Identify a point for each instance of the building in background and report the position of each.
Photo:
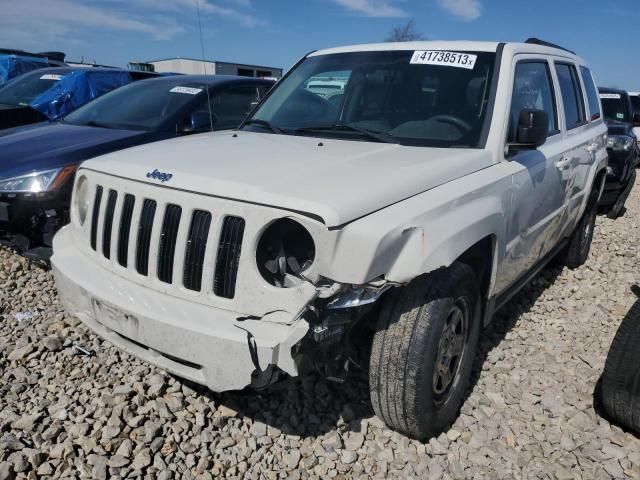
(210, 67)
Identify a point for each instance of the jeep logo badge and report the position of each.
(163, 177)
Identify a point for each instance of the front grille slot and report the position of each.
(167, 247)
(228, 258)
(108, 223)
(196, 246)
(125, 229)
(145, 227)
(95, 216)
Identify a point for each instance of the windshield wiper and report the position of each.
(378, 136)
(93, 123)
(262, 123)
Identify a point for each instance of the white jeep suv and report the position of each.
(397, 215)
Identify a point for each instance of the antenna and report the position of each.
(204, 65)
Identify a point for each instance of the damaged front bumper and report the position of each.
(213, 347)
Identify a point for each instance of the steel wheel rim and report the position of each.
(452, 348)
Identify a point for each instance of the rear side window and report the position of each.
(592, 94)
(571, 95)
(532, 89)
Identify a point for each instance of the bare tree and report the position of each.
(405, 33)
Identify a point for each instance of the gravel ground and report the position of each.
(530, 413)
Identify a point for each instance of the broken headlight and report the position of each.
(285, 250)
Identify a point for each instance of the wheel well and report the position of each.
(599, 179)
(480, 258)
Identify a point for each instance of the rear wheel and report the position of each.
(580, 241)
(617, 208)
(423, 351)
(619, 390)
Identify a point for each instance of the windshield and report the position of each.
(426, 98)
(144, 105)
(614, 107)
(24, 89)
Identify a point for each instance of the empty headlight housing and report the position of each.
(81, 199)
(285, 250)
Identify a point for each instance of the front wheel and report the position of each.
(423, 351)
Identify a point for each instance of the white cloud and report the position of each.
(372, 8)
(37, 24)
(467, 10)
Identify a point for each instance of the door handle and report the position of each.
(564, 163)
(592, 148)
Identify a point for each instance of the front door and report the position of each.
(540, 178)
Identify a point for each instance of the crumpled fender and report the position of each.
(422, 233)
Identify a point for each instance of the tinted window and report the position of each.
(230, 106)
(385, 96)
(592, 93)
(635, 103)
(532, 90)
(571, 95)
(614, 106)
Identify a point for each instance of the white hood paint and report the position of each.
(338, 181)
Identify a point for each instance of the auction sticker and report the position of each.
(441, 57)
(187, 90)
(611, 95)
(51, 76)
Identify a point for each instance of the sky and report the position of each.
(278, 32)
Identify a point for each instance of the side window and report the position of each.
(532, 89)
(571, 95)
(592, 94)
(231, 105)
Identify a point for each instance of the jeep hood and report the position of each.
(336, 180)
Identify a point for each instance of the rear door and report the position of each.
(580, 140)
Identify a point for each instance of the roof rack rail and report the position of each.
(537, 41)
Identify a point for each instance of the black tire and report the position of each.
(577, 250)
(405, 391)
(618, 207)
(620, 384)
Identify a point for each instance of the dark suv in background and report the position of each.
(622, 148)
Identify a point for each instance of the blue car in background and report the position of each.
(50, 93)
(16, 62)
(38, 162)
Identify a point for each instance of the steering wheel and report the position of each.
(455, 121)
(319, 101)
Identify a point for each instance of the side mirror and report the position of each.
(533, 126)
(196, 122)
(636, 119)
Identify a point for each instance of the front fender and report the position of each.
(422, 233)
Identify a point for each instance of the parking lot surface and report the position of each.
(530, 414)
